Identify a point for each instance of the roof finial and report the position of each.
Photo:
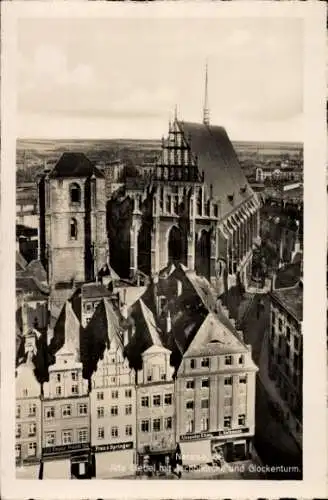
(206, 112)
(176, 113)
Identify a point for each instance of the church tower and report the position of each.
(72, 204)
(206, 111)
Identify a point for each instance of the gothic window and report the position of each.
(73, 229)
(199, 202)
(75, 193)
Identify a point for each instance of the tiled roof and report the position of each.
(98, 334)
(74, 165)
(67, 330)
(31, 286)
(21, 263)
(213, 337)
(291, 299)
(289, 275)
(150, 324)
(217, 158)
(94, 290)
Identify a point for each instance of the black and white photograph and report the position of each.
(159, 248)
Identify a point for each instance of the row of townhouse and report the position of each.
(138, 403)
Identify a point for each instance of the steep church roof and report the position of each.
(74, 165)
(67, 331)
(218, 159)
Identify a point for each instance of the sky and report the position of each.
(123, 77)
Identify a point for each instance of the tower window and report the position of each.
(75, 193)
(73, 229)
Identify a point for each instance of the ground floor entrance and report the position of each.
(154, 463)
(74, 465)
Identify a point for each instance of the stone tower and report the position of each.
(72, 204)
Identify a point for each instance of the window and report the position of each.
(168, 423)
(75, 193)
(114, 432)
(145, 401)
(157, 400)
(163, 376)
(74, 376)
(66, 411)
(75, 389)
(100, 411)
(128, 393)
(189, 405)
(58, 377)
(83, 409)
(227, 422)
(114, 394)
(25, 392)
(280, 324)
(58, 390)
(31, 451)
(32, 410)
(204, 424)
(114, 411)
(128, 410)
(67, 437)
(228, 381)
(241, 359)
(149, 375)
(49, 412)
(288, 333)
(190, 384)
(50, 438)
(205, 382)
(156, 424)
(100, 396)
(18, 450)
(228, 401)
(18, 431)
(18, 411)
(73, 229)
(189, 426)
(82, 435)
(243, 379)
(128, 430)
(228, 360)
(241, 419)
(168, 399)
(192, 363)
(273, 317)
(32, 429)
(205, 363)
(204, 403)
(101, 433)
(145, 426)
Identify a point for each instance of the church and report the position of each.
(193, 206)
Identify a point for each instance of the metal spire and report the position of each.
(206, 112)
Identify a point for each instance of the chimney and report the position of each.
(126, 337)
(179, 288)
(24, 317)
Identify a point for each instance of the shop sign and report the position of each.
(114, 447)
(54, 450)
(208, 435)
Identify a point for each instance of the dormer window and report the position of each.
(75, 194)
(243, 189)
(230, 198)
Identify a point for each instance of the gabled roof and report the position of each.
(94, 290)
(218, 159)
(291, 299)
(31, 286)
(150, 324)
(74, 165)
(36, 270)
(213, 337)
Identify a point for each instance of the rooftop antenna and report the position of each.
(206, 112)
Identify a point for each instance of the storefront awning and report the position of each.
(196, 452)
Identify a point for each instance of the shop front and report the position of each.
(203, 448)
(67, 462)
(114, 460)
(155, 460)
